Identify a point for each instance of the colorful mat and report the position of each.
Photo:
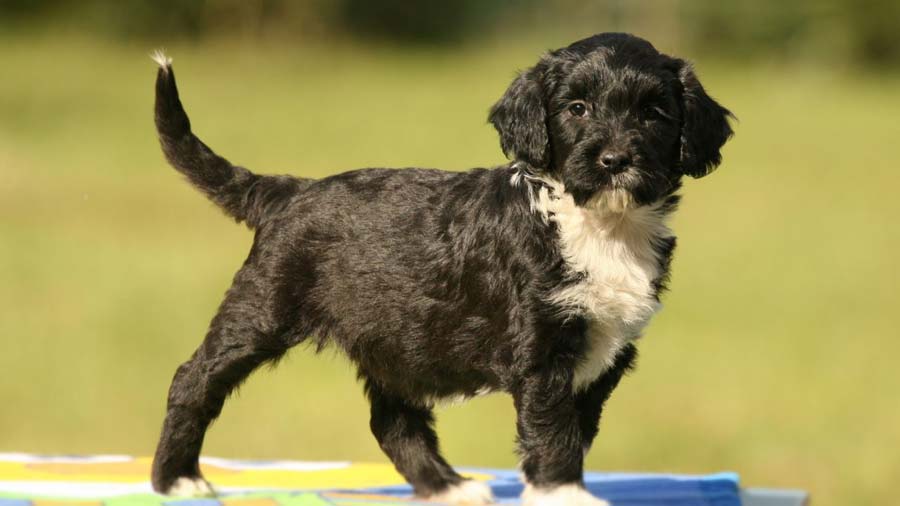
(112, 480)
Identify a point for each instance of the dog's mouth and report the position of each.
(615, 193)
(627, 178)
(624, 190)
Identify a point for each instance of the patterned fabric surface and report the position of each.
(113, 480)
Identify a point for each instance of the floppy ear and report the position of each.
(705, 126)
(520, 118)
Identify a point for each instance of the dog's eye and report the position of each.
(578, 109)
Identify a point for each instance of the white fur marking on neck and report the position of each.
(520, 177)
(612, 244)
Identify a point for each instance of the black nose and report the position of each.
(614, 160)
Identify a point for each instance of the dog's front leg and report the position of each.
(551, 442)
(590, 401)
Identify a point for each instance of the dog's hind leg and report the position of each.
(240, 338)
(406, 434)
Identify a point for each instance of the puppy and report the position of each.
(533, 278)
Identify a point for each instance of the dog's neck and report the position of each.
(617, 207)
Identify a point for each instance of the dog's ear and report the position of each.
(705, 126)
(520, 117)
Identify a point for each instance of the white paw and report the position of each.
(563, 495)
(191, 487)
(468, 493)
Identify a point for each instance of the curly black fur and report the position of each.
(441, 284)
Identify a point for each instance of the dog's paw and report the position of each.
(191, 487)
(564, 495)
(467, 493)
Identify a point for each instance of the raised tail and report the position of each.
(243, 195)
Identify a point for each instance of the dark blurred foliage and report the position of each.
(859, 31)
(191, 19)
(863, 32)
(422, 21)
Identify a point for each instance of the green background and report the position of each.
(775, 354)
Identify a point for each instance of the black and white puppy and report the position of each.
(532, 278)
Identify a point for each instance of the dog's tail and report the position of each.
(243, 195)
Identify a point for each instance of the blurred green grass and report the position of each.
(775, 355)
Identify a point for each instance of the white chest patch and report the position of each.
(613, 246)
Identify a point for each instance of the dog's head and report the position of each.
(611, 113)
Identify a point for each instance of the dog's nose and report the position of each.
(614, 160)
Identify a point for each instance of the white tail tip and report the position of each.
(161, 59)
